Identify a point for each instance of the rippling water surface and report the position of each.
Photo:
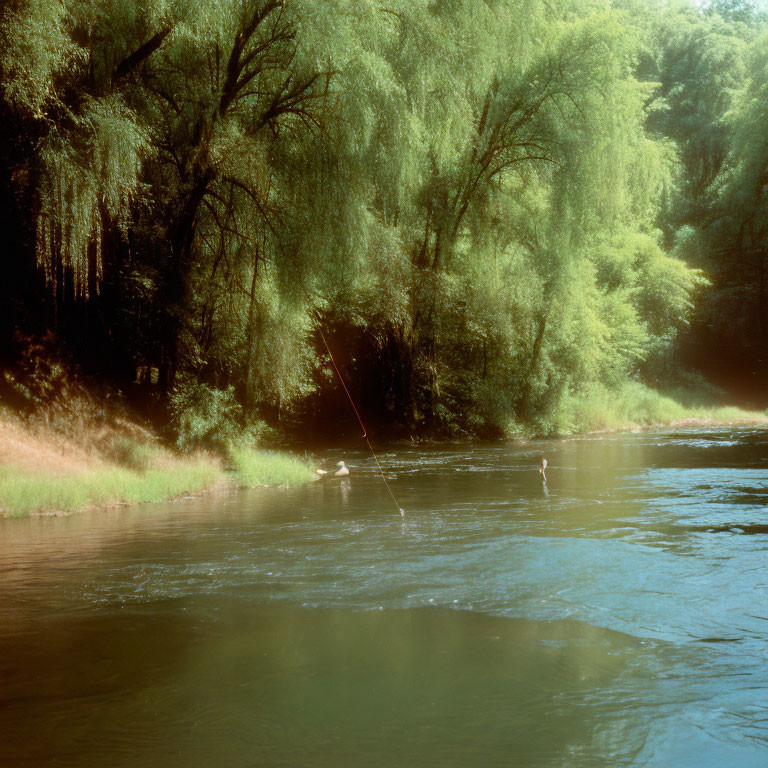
(616, 616)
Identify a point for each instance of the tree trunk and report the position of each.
(177, 279)
(249, 341)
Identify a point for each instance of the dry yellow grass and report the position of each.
(43, 470)
(38, 450)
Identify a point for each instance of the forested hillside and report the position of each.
(490, 208)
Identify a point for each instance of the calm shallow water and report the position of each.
(618, 616)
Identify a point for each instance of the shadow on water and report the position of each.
(208, 682)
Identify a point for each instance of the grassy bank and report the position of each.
(635, 405)
(23, 492)
(254, 468)
(45, 470)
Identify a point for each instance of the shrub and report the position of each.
(204, 416)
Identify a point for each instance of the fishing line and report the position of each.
(362, 426)
(336, 367)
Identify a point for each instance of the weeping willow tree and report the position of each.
(89, 155)
(510, 193)
(89, 176)
(461, 196)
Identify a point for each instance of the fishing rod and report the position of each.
(362, 426)
(330, 354)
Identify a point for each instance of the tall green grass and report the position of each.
(142, 478)
(258, 467)
(23, 493)
(636, 405)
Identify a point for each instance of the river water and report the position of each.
(616, 616)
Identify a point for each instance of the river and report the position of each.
(616, 616)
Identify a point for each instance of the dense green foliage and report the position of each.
(487, 207)
(711, 105)
(633, 405)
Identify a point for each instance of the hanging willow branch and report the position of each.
(89, 176)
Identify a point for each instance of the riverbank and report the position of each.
(58, 467)
(43, 471)
(636, 406)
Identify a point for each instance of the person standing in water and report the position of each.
(342, 470)
(543, 469)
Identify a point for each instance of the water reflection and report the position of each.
(209, 681)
